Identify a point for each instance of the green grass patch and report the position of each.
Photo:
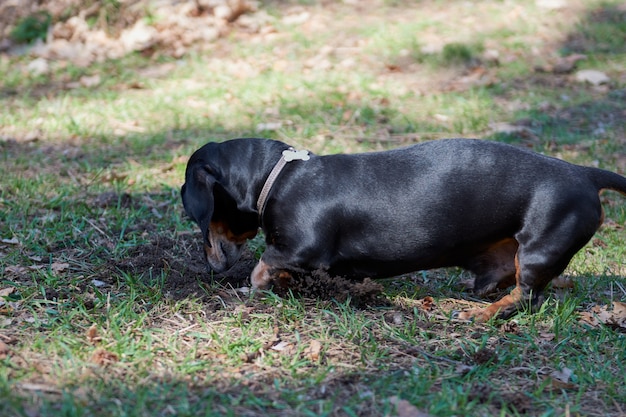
(105, 305)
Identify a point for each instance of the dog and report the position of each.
(510, 216)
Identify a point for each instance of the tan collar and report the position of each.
(288, 155)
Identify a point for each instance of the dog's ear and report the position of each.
(198, 199)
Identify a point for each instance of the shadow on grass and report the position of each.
(598, 117)
(602, 31)
(591, 120)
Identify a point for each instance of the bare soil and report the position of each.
(186, 275)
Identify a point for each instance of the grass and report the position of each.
(103, 311)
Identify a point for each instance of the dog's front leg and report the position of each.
(263, 275)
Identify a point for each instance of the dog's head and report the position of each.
(224, 228)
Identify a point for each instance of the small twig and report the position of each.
(92, 224)
(621, 287)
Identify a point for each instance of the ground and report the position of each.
(106, 307)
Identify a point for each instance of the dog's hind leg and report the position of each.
(494, 267)
(544, 252)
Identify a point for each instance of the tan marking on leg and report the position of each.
(484, 314)
(260, 277)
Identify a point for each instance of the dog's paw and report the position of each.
(260, 278)
(476, 315)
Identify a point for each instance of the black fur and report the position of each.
(509, 215)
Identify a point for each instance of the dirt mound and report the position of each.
(319, 284)
(180, 262)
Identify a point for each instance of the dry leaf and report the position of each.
(282, 346)
(313, 351)
(614, 318)
(92, 334)
(463, 369)
(90, 81)
(556, 384)
(12, 241)
(563, 375)
(15, 270)
(4, 350)
(103, 357)
(27, 386)
(510, 327)
(406, 409)
(561, 379)
(244, 290)
(427, 303)
(562, 282)
(59, 266)
(98, 284)
(5, 292)
(269, 126)
(619, 309)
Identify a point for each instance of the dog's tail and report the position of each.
(607, 180)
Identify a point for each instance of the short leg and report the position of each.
(260, 278)
(543, 254)
(263, 275)
(523, 295)
(494, 267)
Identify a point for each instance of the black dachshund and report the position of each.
(510, 216)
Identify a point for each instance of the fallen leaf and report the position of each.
(269, 126)
(619, 309)
(463, 369)
(15, 270)
(38, 66)
(27, 386)
(562, 282)
(563, 375)
(406, 409)
(59, 266)
(92, 334)
(593, 77)
(313, 351)
(561, 379)
(614, 318)
(510, 327)
(427, 303)
(557, 384)
(484, 356)
(281, 346)
(12, 241)
(97, 283)
(5, 292)
(4, 350)
(90, 80)
(103, 357)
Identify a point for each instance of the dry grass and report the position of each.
(106, 308)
